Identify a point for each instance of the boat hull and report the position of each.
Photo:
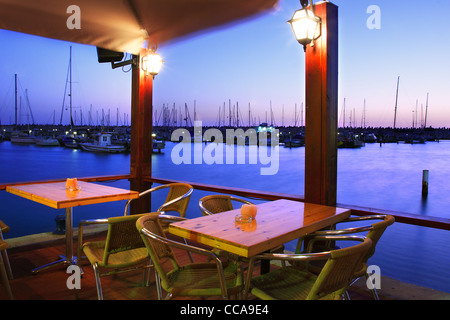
(102, 149)
(23, 140)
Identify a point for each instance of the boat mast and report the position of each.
(426, 113)
(15, 97)
(70, 87)
(396, 101)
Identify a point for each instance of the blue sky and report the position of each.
(255, 64)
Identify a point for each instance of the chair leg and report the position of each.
(147, 269)
(189, 254)
(371, 287)
(97, 282)
(7, 264)
(158, 285)
(5, 278)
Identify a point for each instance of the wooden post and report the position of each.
(425, 175)
(141, 136)
(322, 110)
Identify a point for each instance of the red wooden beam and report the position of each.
(322, 110)
(141, 135)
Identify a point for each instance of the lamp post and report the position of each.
(318, 25)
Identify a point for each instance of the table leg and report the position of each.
(68, 259)
(69, 236)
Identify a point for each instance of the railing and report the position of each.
(402, 217)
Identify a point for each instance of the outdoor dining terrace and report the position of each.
(319, 203)
(28, 252)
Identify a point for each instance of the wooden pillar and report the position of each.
(141, 136)
(322, 110)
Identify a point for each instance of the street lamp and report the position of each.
(151, 63)
(305, 24)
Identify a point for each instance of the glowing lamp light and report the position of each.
(306, 25)
(152, 63)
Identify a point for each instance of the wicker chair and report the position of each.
(214, 278)
(122, 250)
(293, 283)
(4, 263)
(373, 232)
(177, 199)
(3, 229)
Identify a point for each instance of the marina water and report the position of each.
(387, 176)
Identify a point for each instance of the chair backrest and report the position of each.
(217, 203)
(338, 272)
(3, 227)
(122, 235)
(156, 248)
(177, 190)
(177, 198)
(376, 232)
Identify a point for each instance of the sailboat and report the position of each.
(70, 139)
(22, 136)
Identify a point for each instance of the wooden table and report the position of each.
(56, 196)
(276, 223)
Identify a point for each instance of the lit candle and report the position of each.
(71, 184)
(249, 210)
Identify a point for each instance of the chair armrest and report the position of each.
(341, 231)
(178, 245)
(143, 193)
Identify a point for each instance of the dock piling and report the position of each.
(425, 176)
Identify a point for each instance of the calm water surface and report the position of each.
(387, 176)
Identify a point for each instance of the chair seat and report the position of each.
(203, 279)
(289, 283)
(94, 251)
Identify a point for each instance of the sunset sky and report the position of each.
(255, 64)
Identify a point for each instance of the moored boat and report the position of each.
(47, 142)
(102, 143)
(157, 144)
(22, 137)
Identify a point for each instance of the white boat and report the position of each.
(103, 144)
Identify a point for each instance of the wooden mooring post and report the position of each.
(425, 176)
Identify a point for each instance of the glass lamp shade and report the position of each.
(152, 63)
(306, 26)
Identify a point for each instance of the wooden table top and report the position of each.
(277, 222)
(56, 196)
